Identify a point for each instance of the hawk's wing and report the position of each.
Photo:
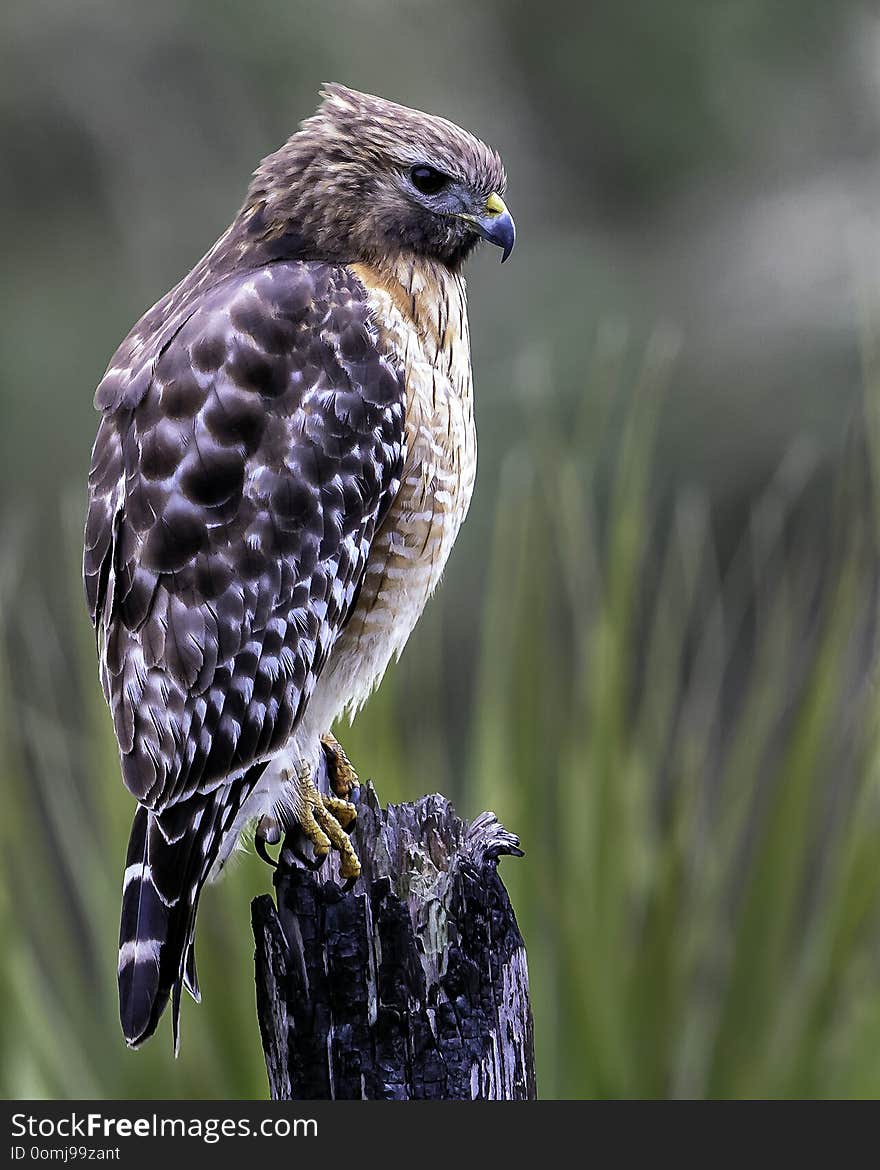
(250, 448)
(231, 510)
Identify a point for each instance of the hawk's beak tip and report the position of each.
(504, 235)
(496, 225)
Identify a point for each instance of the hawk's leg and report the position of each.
(340, 771)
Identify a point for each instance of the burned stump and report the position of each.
(411, 985)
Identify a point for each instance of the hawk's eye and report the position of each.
(428, 180)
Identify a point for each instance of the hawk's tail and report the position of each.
(170, 855)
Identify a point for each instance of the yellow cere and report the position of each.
(495, 205)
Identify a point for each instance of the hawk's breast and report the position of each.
(421, 314)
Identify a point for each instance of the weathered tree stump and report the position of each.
(411, 985)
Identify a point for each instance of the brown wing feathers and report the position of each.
(231, 510)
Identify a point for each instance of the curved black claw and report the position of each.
(313, 863)
(260, 850)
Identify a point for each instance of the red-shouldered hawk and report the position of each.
(285, 455)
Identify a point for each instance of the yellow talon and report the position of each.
(343, 810)
(324, 820)
(312, 829)
(343, 777)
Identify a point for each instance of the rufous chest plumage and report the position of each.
(423, 313)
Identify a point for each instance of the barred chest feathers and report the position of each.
(423, 311)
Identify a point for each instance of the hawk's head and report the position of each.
(365, 179)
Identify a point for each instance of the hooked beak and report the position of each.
(495, 224)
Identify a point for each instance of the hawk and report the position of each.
(285, 455)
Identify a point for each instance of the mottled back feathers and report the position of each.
(230, 515)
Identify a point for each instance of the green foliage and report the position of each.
(700, 894)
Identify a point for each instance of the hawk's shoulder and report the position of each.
(246, 455)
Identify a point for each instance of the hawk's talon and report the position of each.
(324, 819)
(260, 850)
(340, 770)
(267, 832)
(342, 811)
(313, 863)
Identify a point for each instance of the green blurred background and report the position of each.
(653, 652)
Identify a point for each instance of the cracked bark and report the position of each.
(413, 984)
